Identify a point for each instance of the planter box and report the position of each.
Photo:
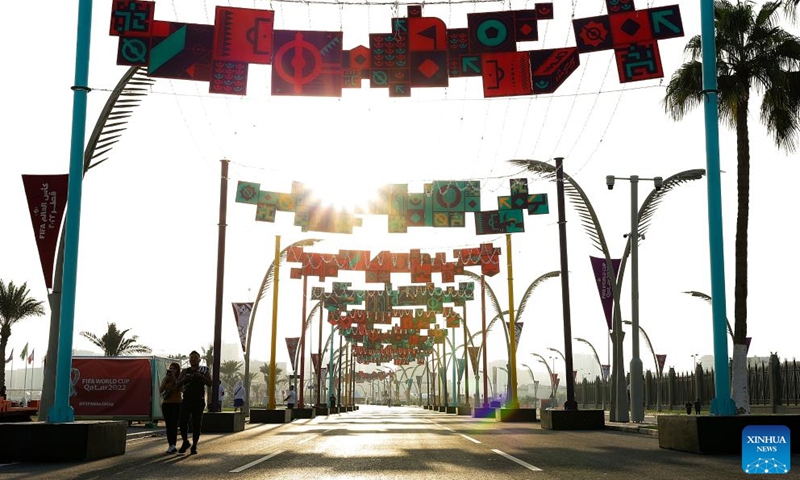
(263, 415)
(483, 412)
(515, 414)
(717, 435)
(62, 442)
(223, 422)
(559, 419)
(304, 412)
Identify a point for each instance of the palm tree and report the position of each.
(230, 372)
(114, 344)
(280, 378)
(753, 52)
(207, 355)
(127, 95)
(15, 304)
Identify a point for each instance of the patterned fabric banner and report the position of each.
(241, 314)
(473, 357)
(554, 380)
(461, 363)
(291, 345)
(661, 360)
(517, 332)
(604, 286)
(47, 200)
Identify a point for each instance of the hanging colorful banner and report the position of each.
(241, 315)
(417, 52)
(661, 360)
(554, 380)
(473, 357)
(47, 199)
(604, 286)
(291, 345)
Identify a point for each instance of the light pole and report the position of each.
(694, 360)
(655, 361)
(637, 405)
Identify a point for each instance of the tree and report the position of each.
(15, 305)
(230, 372)
(207, 355)
(280, 378)
(753, 53)
(114, 344)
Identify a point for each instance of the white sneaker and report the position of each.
(172, 449)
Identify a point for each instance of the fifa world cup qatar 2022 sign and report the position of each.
(416, 52)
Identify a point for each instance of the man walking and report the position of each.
(194, 381)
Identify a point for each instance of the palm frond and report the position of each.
(490, 293)
(576, 196)
(126, 96)
(707, 298)
(650, 205)
(310, 316)
(529, 291)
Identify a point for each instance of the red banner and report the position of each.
(291, 345)
(47, 199)
(110, 387)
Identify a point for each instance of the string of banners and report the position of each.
(415, 52)
(441, 204)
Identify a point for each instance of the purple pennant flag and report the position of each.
(604, 286)
(662, 359)
(747, 343)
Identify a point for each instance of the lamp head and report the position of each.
(610, 182)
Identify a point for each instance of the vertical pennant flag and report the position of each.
(291, 345)
(473, 357)
(517, 332)
(747, 341)
(315, 361)
(47, 199)
(10, 356)
(461, 363)
(241, 313)
(661, 360)
(24, 353)
(605, 371)
(419, 382)
(604, 286)
(30, 357)
(554, 380)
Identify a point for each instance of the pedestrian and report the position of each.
(332, 401)
(688, 408)
(697, 407)
(220, 395)
(238, 396)
(171, 404)
(193, 381)
(291, 398)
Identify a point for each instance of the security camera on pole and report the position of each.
(637, 391)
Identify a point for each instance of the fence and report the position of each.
(773, 387)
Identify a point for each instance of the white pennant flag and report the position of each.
(241, 312)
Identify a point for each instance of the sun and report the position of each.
(344, 194)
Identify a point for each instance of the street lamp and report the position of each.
(694, 360)
(655, 361)
(637, 405)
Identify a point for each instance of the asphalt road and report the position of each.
(381, 443)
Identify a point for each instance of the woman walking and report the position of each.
(171, 404)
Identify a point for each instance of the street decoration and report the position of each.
(416, 52)
(508, 217)
(47, 200)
